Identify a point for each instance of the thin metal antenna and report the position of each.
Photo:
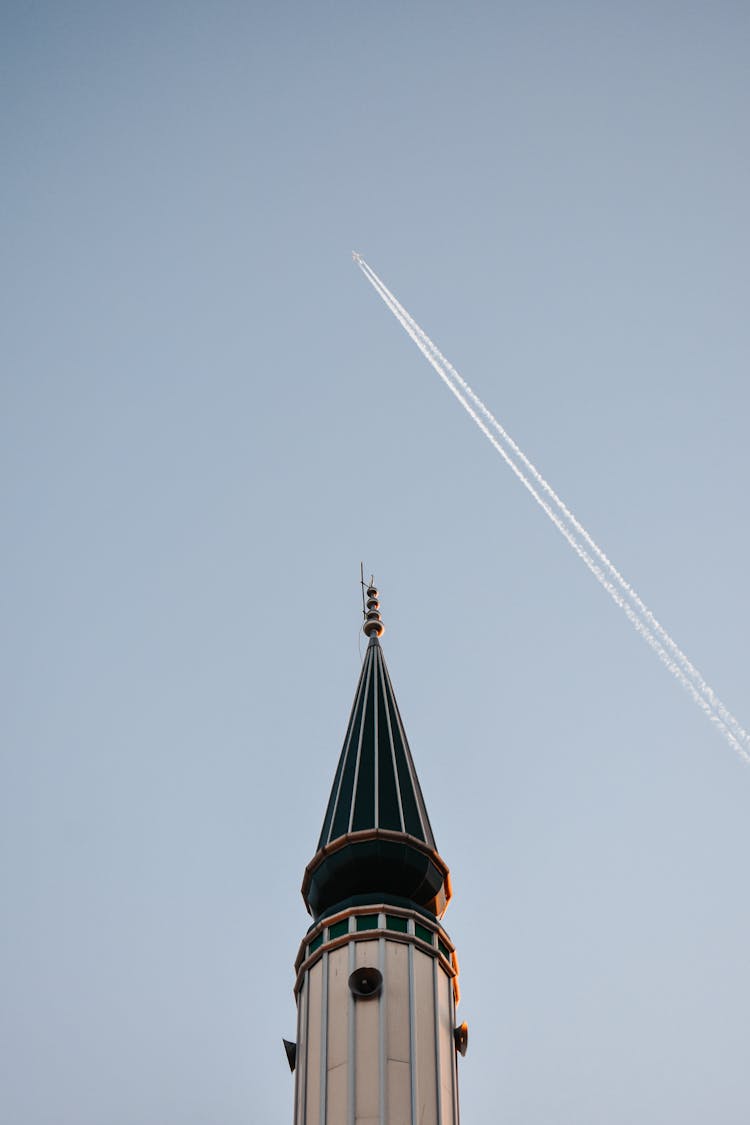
(362, 584)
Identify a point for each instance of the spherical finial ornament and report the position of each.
(373, 625)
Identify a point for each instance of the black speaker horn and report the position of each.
(365, 983)
(291, 1053)
(461, 1038)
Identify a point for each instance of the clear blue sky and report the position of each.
(208, 419)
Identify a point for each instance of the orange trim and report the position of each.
(304, 962)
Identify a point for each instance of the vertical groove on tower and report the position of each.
(314, 1046)
(351, 1061)
(412, 1036)
(302, 1039)
(383, 1018)
(438, 1041)
(454, 1068)
(324, 1041)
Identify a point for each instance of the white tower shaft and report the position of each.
(387, 1057)
(377, 975)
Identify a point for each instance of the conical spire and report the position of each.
(376, 784)
(376, 839)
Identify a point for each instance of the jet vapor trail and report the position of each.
(621, 592)
(688, 668)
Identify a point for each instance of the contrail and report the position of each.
(639, 615)
(688, 668)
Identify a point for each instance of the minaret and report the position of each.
(377, 975)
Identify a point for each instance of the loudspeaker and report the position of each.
(291, 1053)
(365, 983)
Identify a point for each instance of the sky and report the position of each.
(208, 418)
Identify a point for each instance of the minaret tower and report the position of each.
(377, 975)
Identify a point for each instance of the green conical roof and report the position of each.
(376, 784)
(376, 844)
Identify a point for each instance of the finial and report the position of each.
(373, 626)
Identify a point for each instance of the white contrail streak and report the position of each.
(639, 615)
(688, 668)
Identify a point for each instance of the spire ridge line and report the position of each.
(358, 761)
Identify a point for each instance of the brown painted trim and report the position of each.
(303, 964)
